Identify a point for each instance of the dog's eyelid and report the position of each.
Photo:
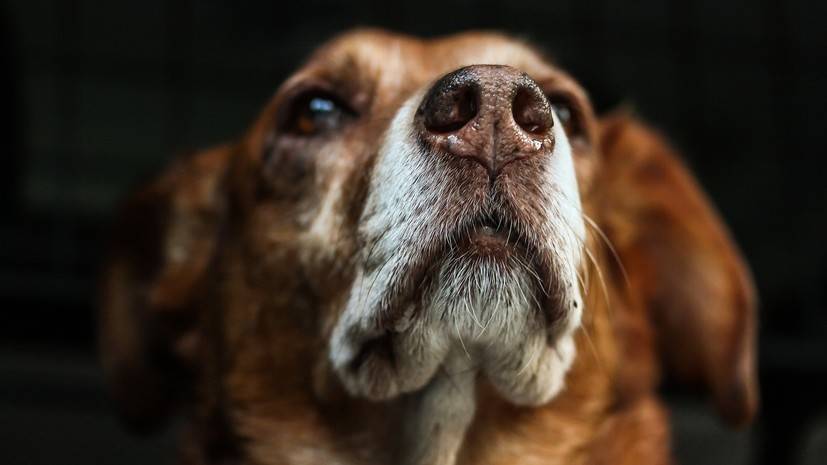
(569, 111)
(557, 97)
(299, 105)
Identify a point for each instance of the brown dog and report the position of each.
(426, 252)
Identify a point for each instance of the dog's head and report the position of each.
(403, 208)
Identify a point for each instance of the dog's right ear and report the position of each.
(683, 266)
(164, 241)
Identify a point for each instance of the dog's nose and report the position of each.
(491, 114)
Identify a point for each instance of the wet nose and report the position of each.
(490, 114)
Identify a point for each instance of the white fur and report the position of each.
(495, 320)
(484, 312)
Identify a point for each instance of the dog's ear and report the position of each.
(682, 266)
(163, 242)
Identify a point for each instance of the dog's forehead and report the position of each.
(388, 60)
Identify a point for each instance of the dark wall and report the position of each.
(101, 93)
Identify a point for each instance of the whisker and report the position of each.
(582, 284)
(529, 362)
(459, 335)
(472, 313)
(366, 297)
(376, 242)
(490, 316)
(597, 268)
(530, 269)
(605, 238)
(584, 280)
(602, 281)
(611, 247)
(595, 353)
(368, 257)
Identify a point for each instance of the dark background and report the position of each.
(98, 94)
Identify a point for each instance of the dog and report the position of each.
(426, 252)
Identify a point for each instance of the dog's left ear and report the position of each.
(682, 266)
(163, 243)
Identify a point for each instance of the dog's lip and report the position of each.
(490, 226)
(494, 236)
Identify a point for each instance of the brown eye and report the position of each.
(567, 114)
(315, 113)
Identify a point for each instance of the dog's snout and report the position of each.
(491, 114)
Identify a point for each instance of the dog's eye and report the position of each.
(563, 111)
(314, 113)
(567, 114)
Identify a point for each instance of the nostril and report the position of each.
(448, 110)
(531, 111)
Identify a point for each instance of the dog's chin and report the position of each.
(483, 299)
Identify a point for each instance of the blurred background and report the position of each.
(99, 94)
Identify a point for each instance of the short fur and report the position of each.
(262, 290)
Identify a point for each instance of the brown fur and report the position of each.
(217, 304)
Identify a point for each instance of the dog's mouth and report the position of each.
(492, 242)
(484, 289)
(490, 287)
(492, 237)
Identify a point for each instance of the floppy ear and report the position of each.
(164, 240)
(682, 265)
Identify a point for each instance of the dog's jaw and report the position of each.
(408, 323)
